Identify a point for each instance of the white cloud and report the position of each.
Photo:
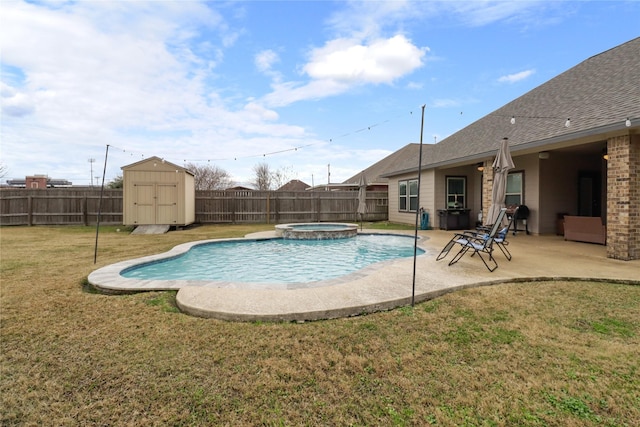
(265, 60)
(15, 103)
(381, 61)
(482, 13)
(368, 19)
(516, 77)
(135, 75)
(342, 64)
(445, 103)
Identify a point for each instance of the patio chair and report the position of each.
(500, 238)
(479, 243)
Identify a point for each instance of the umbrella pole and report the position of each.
(415, 241)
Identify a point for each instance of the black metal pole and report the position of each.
(415, 242)
(104, 171)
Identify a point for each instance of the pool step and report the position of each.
(151, 229)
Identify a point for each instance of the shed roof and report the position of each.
(156, 160)
(598, 95)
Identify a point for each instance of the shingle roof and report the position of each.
(395, 161)
(294, 185)
(597, 95)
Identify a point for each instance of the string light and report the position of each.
(567, 123)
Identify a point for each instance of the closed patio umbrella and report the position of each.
(501, 167)
(362, 198)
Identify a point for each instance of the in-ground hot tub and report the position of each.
(316, 230)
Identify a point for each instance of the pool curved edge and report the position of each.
(109, 278)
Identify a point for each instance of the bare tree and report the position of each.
(266, 179)
(281, 177)
(263, 178)
(209, 177)
(3, 170)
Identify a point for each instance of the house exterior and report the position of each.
(157, 192)
(294, 185)
(38, 182)
(575, 143)
(375, 175)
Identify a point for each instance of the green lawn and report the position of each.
(526, 354)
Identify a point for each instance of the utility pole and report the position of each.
(91, 161)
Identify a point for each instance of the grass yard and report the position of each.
(527, 354)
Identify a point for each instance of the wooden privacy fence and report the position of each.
(67, 206)
(59, 206)
(278, 207)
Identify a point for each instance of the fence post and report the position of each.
(85, 211)
(268, 206)
(30, 210)
(233, 209)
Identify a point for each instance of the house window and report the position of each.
(408, 195)
(456, 192)
(515, 189)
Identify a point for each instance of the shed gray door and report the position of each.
(156, 204)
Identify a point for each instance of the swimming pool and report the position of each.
(274, 261)
(319, 272)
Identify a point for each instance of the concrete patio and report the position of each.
(390, 286)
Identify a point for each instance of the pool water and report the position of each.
(277, 260)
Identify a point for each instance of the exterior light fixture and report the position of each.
(567, 123)
(543, 155)
(480, 167)
(627, 122)
(513, 120)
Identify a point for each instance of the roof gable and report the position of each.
(156, 163)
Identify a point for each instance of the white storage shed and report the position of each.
(157, 192)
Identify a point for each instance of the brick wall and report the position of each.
(623, 197)
(487, 188)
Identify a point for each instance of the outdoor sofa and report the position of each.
(585, 229)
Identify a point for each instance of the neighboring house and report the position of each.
(294, 185)
(240, 188)
(375, 174)
(335, 186)
(38, 181)
(575, 142)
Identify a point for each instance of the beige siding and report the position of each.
(189, 199)
(432, 193)
(559, 173)
(530, 165)
(426, 198)
(158, 192)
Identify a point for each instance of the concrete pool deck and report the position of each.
(390, 286)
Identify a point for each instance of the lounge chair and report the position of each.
(478, 243)
(500, 238)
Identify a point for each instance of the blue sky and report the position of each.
(298, 85)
